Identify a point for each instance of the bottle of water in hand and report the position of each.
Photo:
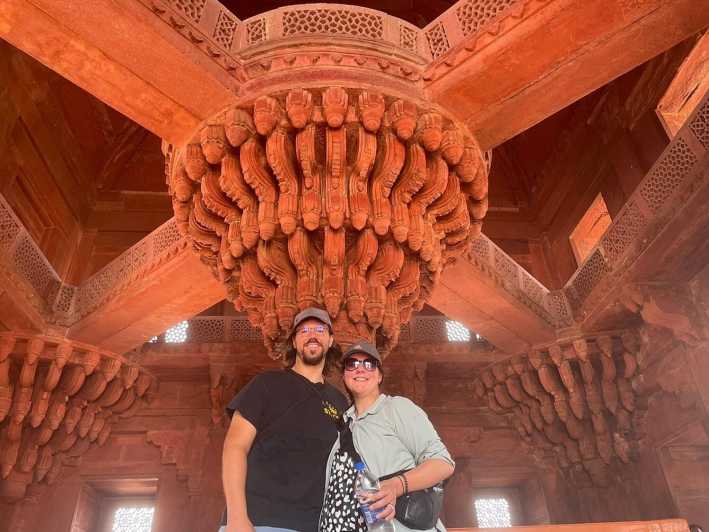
(365, 484)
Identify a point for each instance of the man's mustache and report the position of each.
(314, 341)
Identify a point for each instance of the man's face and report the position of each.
(312, 339)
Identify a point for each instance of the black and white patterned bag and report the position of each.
(340, 512)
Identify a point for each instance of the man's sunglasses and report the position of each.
(318, 329)
(369, 364)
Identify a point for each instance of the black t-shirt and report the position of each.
(296, 424)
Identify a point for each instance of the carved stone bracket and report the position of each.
(185, 449)
(222, 384)
(342, 198)
(57, 400)
(573, 398)
(672, 307)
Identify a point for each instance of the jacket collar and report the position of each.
(373, 409)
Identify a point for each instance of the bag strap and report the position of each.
(347, 443)
(311, 387)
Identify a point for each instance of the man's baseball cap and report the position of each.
(311, 313)
(365, 348)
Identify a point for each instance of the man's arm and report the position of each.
(237, 445)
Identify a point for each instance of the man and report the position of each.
(283, 426)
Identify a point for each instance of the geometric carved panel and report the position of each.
(256, 31)
(335, 22)
(592, 271)
(408, 38)
(474, 14)
(225, 29)
(437, 40)
(193, 9)
(700, 125)
(668, 175)
(624, 231)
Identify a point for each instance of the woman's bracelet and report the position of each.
(404, 483)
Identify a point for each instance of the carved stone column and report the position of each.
(342, 197)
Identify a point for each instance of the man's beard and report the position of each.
(312, 360)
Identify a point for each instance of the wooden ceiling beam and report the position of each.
(467, 295)
(175, 290)
(551, 54)
(125, 56)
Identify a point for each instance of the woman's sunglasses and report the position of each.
(369, 364)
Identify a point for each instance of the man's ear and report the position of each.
(332, 341)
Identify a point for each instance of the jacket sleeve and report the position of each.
(417, 432)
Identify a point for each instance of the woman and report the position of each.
(390, 434)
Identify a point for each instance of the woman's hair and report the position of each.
(333, 358)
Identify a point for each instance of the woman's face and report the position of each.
(361, 381)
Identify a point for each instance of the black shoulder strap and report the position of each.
(347, 443)
(261, 434)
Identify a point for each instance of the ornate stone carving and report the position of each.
(185, 449)
(57, 399)
(672, 307)
(573, 398)
(347, 199)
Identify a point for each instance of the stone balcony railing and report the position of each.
(677, 175)
(225, 329)
(223, 37)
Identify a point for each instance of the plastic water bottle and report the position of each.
(365, 484)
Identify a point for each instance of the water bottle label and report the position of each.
(369, 515)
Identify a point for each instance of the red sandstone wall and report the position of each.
(175, 442)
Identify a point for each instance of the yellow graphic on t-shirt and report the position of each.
(329, 410)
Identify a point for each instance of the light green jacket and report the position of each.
(393, 435)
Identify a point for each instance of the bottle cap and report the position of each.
(359, 466)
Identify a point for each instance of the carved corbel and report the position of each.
(243, 231)
(359, 175)
(359, 261)
(299, 107)
(312, 175)
(334, 103)
(257, 175)
(371, 110)
(420, 237)
(389, 162)
(412, 179)
(280, 154)
(213, 141)
(272, 258)
(668, 307)
(238, 126)
(306, 264)
(335, 188)
(386, 267)
(402, 116)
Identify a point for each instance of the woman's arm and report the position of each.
(425, 475)
(237, 445)
(420, 438)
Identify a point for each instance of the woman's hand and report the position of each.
(384, 501)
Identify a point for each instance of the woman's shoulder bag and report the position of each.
(419, 509)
